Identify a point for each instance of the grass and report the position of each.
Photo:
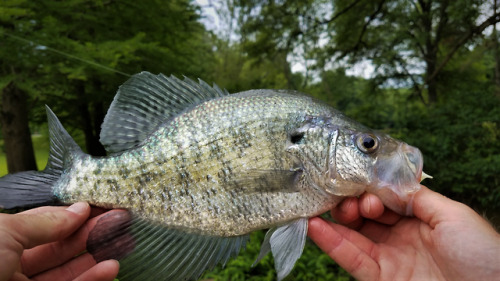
(40, 146)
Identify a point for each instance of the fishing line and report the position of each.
(65, 54)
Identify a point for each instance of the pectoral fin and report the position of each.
(255, 180)
(286, 243)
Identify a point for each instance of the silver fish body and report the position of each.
(191, 162)
(211, 169)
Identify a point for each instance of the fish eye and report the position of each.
(367, 143)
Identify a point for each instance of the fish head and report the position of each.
(381, 165)
(346, 160)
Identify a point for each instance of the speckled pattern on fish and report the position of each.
(196, 170)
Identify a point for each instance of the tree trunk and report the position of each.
(432, 83)
(430, 54)
(92, 144)
(15, 130)
(494, 36)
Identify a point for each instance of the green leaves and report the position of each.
(74, 54)
(312, 265)
(11, 9)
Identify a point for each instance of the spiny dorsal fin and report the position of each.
(146, 101)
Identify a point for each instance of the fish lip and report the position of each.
(394, 199)
(397, 178)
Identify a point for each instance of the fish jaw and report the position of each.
(397, 178)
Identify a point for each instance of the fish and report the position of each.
(198, 169)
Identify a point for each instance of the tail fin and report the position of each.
(34, 188)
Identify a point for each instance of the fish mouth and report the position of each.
(397, 178)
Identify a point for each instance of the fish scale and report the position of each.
(193, 139)
(195, 170)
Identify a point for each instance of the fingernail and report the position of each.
(347, 205)
(368, 207)
(78, 208)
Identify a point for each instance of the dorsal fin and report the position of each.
(146, 101)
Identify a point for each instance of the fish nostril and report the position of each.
(412, 154)
(412, 157)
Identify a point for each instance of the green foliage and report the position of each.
(460, 139)
(74, 55)
(312, 265)
(41, 148)
(237, 71)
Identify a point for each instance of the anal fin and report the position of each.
(148, 251)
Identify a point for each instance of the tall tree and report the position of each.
(13, 89)
(496, 51)
(76, 54)
(280, 31)
(409, 42)
(14, 122)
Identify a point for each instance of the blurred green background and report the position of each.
(427, 72)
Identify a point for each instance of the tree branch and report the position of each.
(363, 30)
(495, 18)
(442, 23)
(416, 87)
(345, 10)
(419, 46)
(317, 23)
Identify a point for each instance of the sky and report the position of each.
(209, 14)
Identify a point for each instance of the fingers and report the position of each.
(344, 247)
(362, 242)
(103, 271)
(370, 206)
(389, 217)
(432, 207)
(43, 226)
(82, 267)
(35, 260)
(68, 271)
(35, 227)
(352, 210)
(347, 213)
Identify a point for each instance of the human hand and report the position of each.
(446, 240)
(45, 243)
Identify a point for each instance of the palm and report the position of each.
(404, 251)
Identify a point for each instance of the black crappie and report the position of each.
(198, 170)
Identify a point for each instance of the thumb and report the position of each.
(47, 224)
(432, 207)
